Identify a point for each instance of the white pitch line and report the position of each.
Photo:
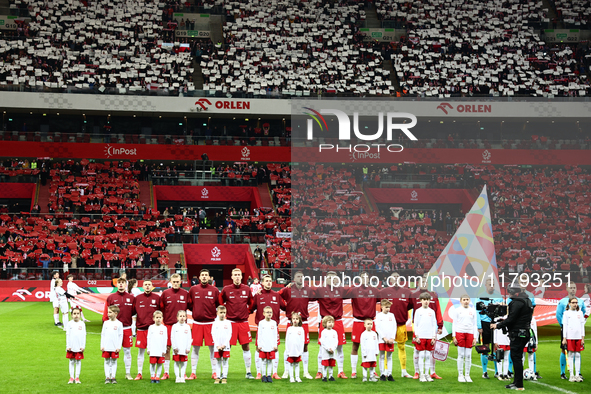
(532, 381)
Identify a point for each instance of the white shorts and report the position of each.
(64, 307)
(55, 304)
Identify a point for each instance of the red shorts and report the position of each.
(525, 350)
(293, 360)
(504, 347)
(110, 355)
(202, 333)
(358, 329)
(127, 338)
(306, 332)
(267, 355)
(221, 354)
(141, 339)
(180, 358)
(425, 344)
(340, 329)
(386, 347)
(464, 339)
(156, 360)
(369, 364)
(331, 362)
(75, 355)
(240, 333)
(169, 331)
(574, 345)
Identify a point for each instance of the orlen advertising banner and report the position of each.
(142, 151)
(38, 290)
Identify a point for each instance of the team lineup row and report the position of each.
(237, 301)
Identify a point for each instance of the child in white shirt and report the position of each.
(369, 351)
(73, 289)
(221, 332)
(267, 344)
(328, 344)
(181, 340)
(111, 342)
(465, 335)
(61, 298)
(425, 333)
(573, 328)
(156, 346)
(386, 328)
(75, 345)
(294, 346)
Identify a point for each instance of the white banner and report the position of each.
(283, 235)
(446, 109)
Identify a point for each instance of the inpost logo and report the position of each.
(344, 132)
(112, 151)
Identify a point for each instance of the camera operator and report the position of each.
(484, 324)
(518, 324)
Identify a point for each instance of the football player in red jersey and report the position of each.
(125, 302)
(172, 301)
(238, 300)
(267, 297)
(203, 301)
(145, 305)
(363, 303)
(298, 297)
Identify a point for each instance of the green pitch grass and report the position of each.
(33, 360)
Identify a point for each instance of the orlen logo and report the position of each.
(461, 108)
(345, 129)
(245, 153)
(486, 155)
(112, 151)
(204, 193)
(443, 107)
(215, 254)
(204, 104)
(21, 293)
(414, 196)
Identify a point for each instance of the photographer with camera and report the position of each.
(484, 321)
(517, 323)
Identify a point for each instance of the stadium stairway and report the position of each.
(43, 198)
(371, 18)
(393, 76)
(552, 15)
(146, 193)
(208, 236)
(265, 194)
(197, 75)
(367, 200)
